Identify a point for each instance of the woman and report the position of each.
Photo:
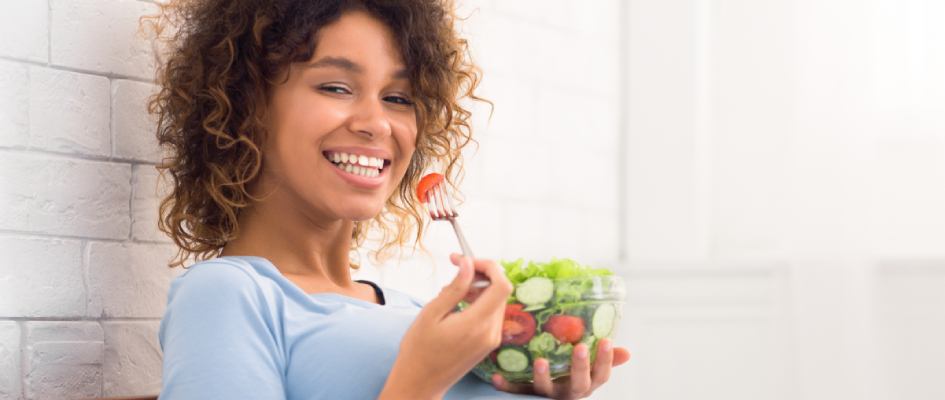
(293, 126)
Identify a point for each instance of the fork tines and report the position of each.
(439, 204)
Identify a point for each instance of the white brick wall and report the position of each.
(129, 279)
(25, 27)
(43, 277)
(63, 359)
(100, 36)
(148, 191)
(65, 196)
(69, 112)
(83, 287)
(132, 358)
(9, 360)
(129, 106)
(14, 104)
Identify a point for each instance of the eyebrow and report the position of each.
(348, 65)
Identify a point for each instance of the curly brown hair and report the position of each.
(223, 60)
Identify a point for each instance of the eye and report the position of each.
(334, 89)
(399, 100)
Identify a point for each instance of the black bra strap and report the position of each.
(377, 290)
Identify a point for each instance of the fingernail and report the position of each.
(581, 351)
(540, 368)
(606, 346)
(496, 380)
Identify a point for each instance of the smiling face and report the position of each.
(342, 127)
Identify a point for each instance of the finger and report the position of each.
(493, 299)
(450, 295)
(455, 258)
(621, 355)
(601, 371)
(580, 370)
(542, 375)
(501, 384)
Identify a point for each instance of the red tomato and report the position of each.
(565, 328)
(518, 327)
(427, 183)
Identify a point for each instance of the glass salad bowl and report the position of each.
(555, 306)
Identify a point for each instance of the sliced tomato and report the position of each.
(565, 328)
(518, 326)
(427, 183)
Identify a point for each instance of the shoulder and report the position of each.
(396, 297)
(218, 273)
(218, 294)
(217, 280)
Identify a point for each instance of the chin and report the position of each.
(355, 213)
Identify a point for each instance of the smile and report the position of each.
(357, 164)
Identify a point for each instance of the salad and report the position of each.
(555, 306)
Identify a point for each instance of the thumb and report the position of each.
(452, 293)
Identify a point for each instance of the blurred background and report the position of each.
(769, 177)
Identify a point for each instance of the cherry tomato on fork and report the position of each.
(426, 183)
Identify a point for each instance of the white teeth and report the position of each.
(370, 172)
(363, 171)
(370, 161)
(358, 164)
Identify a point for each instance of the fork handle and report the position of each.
(480, 280)
(462, 239)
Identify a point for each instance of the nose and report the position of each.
(369, 119)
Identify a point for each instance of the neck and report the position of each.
(299, 245)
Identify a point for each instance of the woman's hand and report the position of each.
(442, 345)
(582, 381)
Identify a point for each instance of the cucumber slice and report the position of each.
(591, 341)
(512, 360)
(602, 324)
(535, 291)
(534, 307)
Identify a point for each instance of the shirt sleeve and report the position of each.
(217, 338)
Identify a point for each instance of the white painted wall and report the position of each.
(83, 286)
(785, 191)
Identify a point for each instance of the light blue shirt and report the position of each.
(236, 328)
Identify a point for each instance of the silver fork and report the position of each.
(441, 208)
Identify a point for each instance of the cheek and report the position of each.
(308, 113)
(404, 132)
